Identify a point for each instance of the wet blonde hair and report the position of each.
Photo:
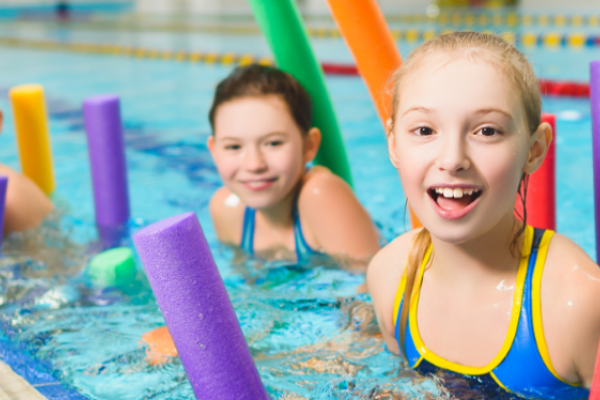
(477, 47)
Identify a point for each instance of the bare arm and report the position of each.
(383, 278)
(26, 204)
(226, 211)
(570, 310)
(335, 218)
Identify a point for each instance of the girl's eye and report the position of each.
(487, 131)
(274, 143)
(424, 131)
(233, 147)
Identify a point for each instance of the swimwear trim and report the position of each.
(398, 299)
(499, 383)
(536, 306)
(512, 327)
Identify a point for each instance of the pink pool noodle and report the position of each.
(595, 390)
(107, 158)
(595, 104)
(193, 300)
(3, 186)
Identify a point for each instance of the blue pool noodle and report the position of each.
(200, 317)
(109, 168)
(595, 104)
(3, 186)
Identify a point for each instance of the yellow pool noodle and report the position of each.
(33, 137)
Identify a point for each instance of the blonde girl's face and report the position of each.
(258, 149)
(460, 144)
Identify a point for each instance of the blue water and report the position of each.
(312, 335)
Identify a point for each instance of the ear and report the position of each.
(210, 143)
(538, 147)
(392, 149)
(312, 142)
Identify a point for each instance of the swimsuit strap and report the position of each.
(247, 242)
(302, 249)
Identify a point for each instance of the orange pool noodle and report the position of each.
(33, 137)
(160, 345)
(363, 26)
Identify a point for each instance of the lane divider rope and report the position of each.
(547, 87)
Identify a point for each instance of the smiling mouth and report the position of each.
(454, 202)
(259, 184)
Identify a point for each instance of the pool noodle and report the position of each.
(197, 310)
(366, 33)
(3, 187)
(280, 22)
(595, 389)
(108, 165)
(595, 105)
(541, 192)
(370, 41)
(33, 136)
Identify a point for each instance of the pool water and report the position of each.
(312, 335)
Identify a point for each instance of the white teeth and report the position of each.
(456, 192)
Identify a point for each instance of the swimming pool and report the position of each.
(312, 335)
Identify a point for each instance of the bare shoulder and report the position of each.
(26, 204)
(571, 316)
(333, 219)
(320, 182)
(227, 213)
(388, 265)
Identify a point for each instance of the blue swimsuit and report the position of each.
(522, 368)
(303, 250)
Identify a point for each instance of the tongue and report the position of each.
(453, 204)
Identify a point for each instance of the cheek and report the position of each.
(227, 164)
(502, 170)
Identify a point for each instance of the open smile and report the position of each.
(454, 201)
(259, 184)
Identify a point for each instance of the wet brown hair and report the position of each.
(479, 47)
(257, 80)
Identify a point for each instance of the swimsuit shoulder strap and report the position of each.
(303, 250)
(247, 242)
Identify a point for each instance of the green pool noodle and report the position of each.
(114, 267)
(282, 25)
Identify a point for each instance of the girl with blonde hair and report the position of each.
(477, 294)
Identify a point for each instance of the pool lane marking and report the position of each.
(554, 88)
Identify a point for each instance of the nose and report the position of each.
(254, 160)
(453, 156)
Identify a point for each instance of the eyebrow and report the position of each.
(483, 111)
(263, 137)
(494, 110)
(423, 109)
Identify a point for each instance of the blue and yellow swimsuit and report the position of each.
(303, 250)
(522, 368)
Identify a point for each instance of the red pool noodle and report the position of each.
(541, 192)
(193, 300)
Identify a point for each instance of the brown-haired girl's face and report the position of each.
(258, 149)
(460, 143)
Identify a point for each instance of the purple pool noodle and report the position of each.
(3, 186)
(107, 158)
(595, 104)
(198, 312)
